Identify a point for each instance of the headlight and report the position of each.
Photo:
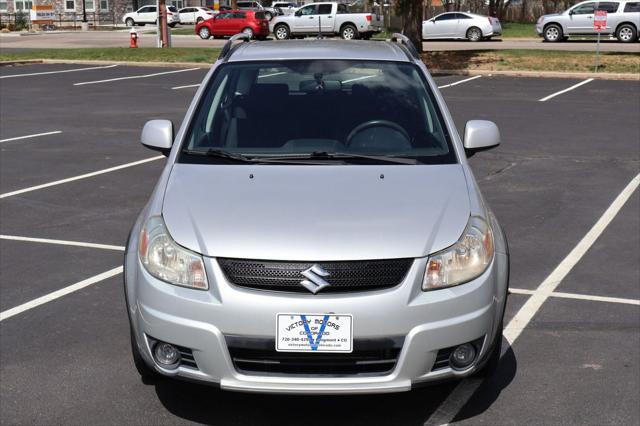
(166, 260)
(462, 262)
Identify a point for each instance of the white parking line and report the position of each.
(459, 82)
(61, 242)
(55, 132)
(87, 175)
(59, 293)
(576, 296)
(131, 77)
(359, 78)
(272, 75)
(58, 72)
(553, 95)
(185, 87)
(461, 394)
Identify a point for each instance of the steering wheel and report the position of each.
(376, 123)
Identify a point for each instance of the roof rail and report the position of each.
(404, 40)
(226, 49)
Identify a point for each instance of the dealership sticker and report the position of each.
(314, 333)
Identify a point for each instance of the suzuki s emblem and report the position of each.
(315, 282)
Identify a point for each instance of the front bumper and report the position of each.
(428, 321)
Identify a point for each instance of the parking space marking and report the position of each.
(359, 78)
(55, 132)
(61, 242)
(59, 293)
(84, 176)
(461, 394)
(272, 75)
(185, 87)
(580, 296)
(131, 77)
(58, 72)
(568, 89)
(455, 83)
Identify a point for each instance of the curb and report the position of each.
(533, 74)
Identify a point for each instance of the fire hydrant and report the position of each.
(133, 38)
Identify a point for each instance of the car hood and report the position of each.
(550, 15)
(316, 213)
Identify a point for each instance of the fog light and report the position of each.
(463, 356)
(166, 355)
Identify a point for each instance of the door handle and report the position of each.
(310, 17)
(328, 16)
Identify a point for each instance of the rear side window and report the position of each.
(173, 9)
(446, 17)
(239, 15)
(324, 9)
(585, 9)
(342, 8)
(462, 16)
(260, 15)
(610, 7)
(632, 7)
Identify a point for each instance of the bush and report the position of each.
(21, 22)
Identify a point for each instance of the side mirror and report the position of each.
(158, 135)
(298, 14)
(480, 135)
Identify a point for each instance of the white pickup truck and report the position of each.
(329, 19)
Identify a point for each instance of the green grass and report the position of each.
(517, 30)
(533, 60)
(176, 54)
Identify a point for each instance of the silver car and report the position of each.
(348, 252)
(623, 21)
(459, 25)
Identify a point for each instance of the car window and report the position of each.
(244, 4)
(324, 9)
(172, 9)
(462, 16)
(308, 10)
(632, 7)
(260, 15)
(342, 8)
(446, 17)
(610, 7)
(585, 9)
(239, 15)
(366, 107)
(225, 15)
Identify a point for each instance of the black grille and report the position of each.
(344, 276)
(186, 358)
(255, 356)
(442, 358)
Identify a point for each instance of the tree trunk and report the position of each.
(412, 22)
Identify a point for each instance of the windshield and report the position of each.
(304, 107)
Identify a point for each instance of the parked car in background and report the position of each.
(149, 15)
(232, 22)
(193, 15)
(623, 21)
(461, 25)
(329, 19)
(269, 12)
(287, 8)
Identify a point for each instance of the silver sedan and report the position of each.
(461, 26)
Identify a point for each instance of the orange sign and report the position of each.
(42, 14)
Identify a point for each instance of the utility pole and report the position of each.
(84, 11)
(163, 30)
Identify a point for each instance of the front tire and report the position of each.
(129, 22)
(626, 33)
(204, 33)
(553, 33)
(474, 34)
(349, 32)
(281, 32)
(146, 372)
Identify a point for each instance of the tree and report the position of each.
(411, 12)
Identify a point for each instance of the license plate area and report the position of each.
(324, 333)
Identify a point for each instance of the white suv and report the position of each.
(149, 15)
(623, 21)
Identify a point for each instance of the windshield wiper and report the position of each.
(323, 155)
(219, 153)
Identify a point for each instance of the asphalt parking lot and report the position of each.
(563, 184)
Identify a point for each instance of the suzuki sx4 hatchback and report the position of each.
(317, 228)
